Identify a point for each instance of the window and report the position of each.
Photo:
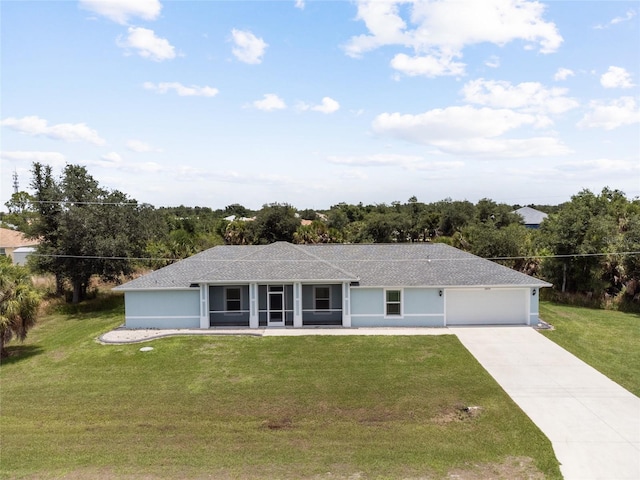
(393, 302)
(233, 299)
(323, 298)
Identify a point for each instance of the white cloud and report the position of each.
(451, 123)
(191, 174)
(270, 102)
(563, 74)
(493, 61)
(376, 160)
(439, 31)
(616, 77)
(121, 11)
(145, 42)
(50, 158)
(141, 147)
(407, 162)
(601, 166)
(328, 105)
(300, 4)
(426, 65)
(469, 130)
(351, 174)
(611, 115)
(114, 161)
(383, 21)
(507, 148)
(145, 167)
(112, 157)
(628, 16)
(182, 90)
(531, 97)
(142, 167)
(248, 48)
(69, 132)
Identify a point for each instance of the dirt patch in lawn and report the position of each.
(513, 468)
(457, 413)
(284, 423)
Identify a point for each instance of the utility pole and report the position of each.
(16, 185)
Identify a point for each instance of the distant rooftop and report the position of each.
(13, 239)
(531, 216)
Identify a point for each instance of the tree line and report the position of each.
(587, 245)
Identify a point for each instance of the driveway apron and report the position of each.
(593, 423)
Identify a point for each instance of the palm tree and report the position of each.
(19, 303)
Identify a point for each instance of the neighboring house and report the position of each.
(20, 254)
(532, 218)
(356, 285)
(233, 218)
(10, 240)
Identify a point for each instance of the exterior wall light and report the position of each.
(533, 292)
(439, 293)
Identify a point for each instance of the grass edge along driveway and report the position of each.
(605, 339)
(247, 407)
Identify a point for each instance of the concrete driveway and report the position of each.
(593, 423)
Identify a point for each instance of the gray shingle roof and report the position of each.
(379, 265)
(531, 216)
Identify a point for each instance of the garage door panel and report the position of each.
(486, 306)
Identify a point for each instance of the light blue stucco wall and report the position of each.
(534, 307)
(421, 307)
(162, 309)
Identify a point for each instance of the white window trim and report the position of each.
(315, 298)
(226, 299)
(384, 304)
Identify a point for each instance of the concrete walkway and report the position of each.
(593, 423)
(123, 335)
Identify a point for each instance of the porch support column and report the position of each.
(297, 305)
(204, 306)
(254, 318)
(532, 305)
(346, 304)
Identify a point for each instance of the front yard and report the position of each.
(249, 407)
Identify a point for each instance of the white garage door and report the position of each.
(481, 306)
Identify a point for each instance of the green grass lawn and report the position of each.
(251, 407)
(607, 340)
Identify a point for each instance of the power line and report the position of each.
(67, 202)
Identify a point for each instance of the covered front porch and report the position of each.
(259, 305)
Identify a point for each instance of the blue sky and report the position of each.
(313, 103)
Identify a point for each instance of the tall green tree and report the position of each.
(276, 222)
(48, 200)
(86, 230)
(454, 215)
(388, 227)
(21, 211)
(238, 232)
(511, 244)
(19, 302)
(583, 235)
(630, 242)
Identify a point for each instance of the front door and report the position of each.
(275, 312)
